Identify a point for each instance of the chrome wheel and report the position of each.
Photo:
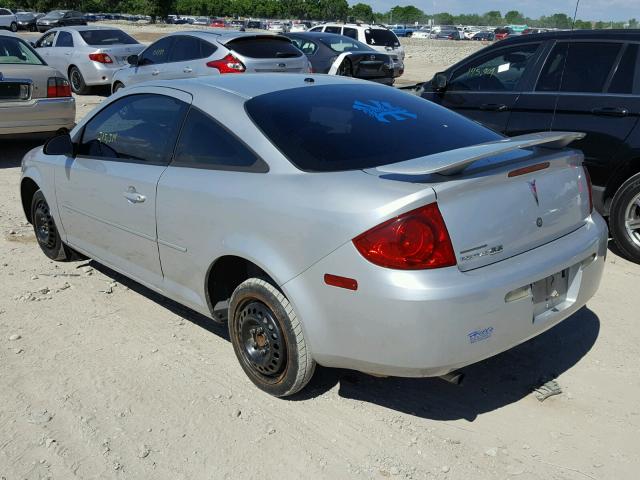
(632, 220)
(76, 80)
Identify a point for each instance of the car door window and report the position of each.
(499, 71)
(65, 39)
(137, 128)
(316, 29)
(332, 29)
(206, 49)
(47, 40)
(185, 48)
(204, 143)
(307, 47)
(4, 12)
(581, 67)
(350, 32)
(157, 52)
(624, 78)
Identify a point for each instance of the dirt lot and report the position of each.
(101, 378)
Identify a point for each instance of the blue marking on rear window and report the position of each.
(381, 111)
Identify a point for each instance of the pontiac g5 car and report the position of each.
(345, 222)
(34, 98)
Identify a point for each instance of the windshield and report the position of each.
(106, 37)
(25, 16)
(14, 51)
(339, 43)
(381, 38)
(54, 15)
(331, 128)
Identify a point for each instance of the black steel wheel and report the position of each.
(76, 80)
(346, 68)
(267, 338)
(44, 227)
(13, 27)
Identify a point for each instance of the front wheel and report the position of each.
(13, 27)
(46, 231)
(268, 340)
(624, 219)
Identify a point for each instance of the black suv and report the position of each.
(584, 81)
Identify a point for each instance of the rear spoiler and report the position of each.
(454, 161)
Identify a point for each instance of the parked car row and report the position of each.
(582, 81)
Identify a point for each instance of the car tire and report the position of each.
(268, 340)
(46, 230)
(346, 68)
(13, 27)
(624, 218)
(32, 28)
(77, 81)
(117, 86)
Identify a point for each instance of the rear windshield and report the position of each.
(340, 43)
(381, 37)
(331, 128)
(106, 37)
(54, 15)
(264, 47)
(14, 51)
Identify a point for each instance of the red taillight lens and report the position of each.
(58, 87)
(416, 240)
(100, 57)
(228, 64)
(589, 188)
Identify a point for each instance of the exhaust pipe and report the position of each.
(456, 377)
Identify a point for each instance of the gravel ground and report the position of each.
(102, 378)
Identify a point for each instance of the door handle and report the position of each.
(611, 111)
(494, 107)
(155, 72)
(187, 70)
(134, 197)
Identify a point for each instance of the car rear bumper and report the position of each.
(37, 116)
(428, 323)
(98, 74)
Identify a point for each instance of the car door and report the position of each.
(196, 196)
(60, 54)
(186, 58)
(6, 17)
(486, 88)
(107, 193)
(595, 97)
(45, 46)
(152, 61)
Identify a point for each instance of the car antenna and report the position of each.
(573, 25)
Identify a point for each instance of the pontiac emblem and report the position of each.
(534, 191)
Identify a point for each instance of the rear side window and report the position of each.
(350, 32)
(379, 37)
(585, 70)
(498, 72)
(623, 79)
(347, 127)
(264, 47)
(204, 143)
(157, 52)
(308, 47)
(106, 37)
(332, 29)
(64, 40)
(138, 128)
(186, 48)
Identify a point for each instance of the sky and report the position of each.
(615, 10)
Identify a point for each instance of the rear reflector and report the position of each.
(533, 168)
(342, 282)
(58, 87)
(100, 57)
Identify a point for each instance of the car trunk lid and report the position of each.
(120, 53)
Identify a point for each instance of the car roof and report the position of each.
(84, 28)
(317, 35)
(222, 36)
(353, 25)
(615, 34)
(250, 86)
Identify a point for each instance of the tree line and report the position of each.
(307, 10)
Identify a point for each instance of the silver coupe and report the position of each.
(328, 220)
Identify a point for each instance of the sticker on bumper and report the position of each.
(479, 335)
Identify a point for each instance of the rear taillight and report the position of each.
(58, 87)
(100, 58)
(589, 188)
(416, 240)
(228, 64)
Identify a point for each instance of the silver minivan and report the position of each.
(204, 53)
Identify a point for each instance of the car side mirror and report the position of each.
(439, 82)
(60, 145)
(133, 60)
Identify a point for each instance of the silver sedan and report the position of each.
(88, 55)
(201, 53)
(330, 220)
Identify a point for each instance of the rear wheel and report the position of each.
(268, 340)
(624, 219)
(46, 231)
(77, 81)
(13, 27)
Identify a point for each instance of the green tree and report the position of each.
(361, 11)
(514, 17)
(633, 23)
(443, 18)
(494, 17)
